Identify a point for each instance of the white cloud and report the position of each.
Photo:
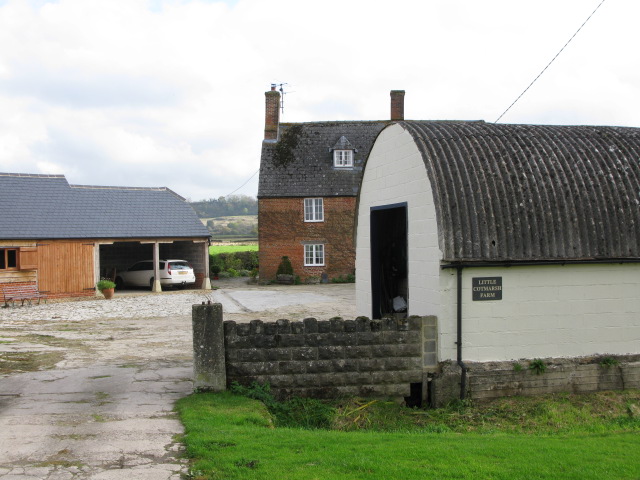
(171, 93)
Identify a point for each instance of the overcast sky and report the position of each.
(171, 92)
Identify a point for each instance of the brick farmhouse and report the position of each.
(310, 174)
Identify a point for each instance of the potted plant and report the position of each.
(215, 271)
(284, 274)
(106, 287)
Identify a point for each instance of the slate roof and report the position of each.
(47, 207)
(532, 192)
(301, 163)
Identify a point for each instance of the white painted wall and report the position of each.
(546, 311)
(395, 173)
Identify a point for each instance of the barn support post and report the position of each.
(96, 266)
(156, 287)
(206, 282)
(209, 368)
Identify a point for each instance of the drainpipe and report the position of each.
(463, 375)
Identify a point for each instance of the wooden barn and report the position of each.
(64, 238)
(523, 241)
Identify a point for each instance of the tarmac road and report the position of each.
(87, 387)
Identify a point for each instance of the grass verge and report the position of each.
(233, 437)
(216, 249)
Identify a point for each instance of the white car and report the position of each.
(176, 273)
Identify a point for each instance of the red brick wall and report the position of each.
(272, 114)
(282, 231)
(84, 293)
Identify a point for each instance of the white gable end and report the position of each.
(404, 180)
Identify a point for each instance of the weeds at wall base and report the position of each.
(548, 414)
(538, 366)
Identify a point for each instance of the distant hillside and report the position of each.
(233, 227)
(233, 205)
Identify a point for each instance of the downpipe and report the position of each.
(461, 364)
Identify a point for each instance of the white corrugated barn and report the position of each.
(521, 239)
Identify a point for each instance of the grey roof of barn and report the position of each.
(301, 163)
(532, 192)
(47, 207)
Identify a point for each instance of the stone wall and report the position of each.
(390, 358)
(283, 231)
(328, 359)
(489, 380)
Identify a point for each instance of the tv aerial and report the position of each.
(280, 87)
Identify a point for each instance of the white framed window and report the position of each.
(343, 158)
(313, 210)
(314, 255)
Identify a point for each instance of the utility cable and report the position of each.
(552, 60)
(254, 174)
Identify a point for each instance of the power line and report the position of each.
(254, 174)
(552, 60)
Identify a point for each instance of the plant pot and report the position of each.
(284, 279)
(108, 293)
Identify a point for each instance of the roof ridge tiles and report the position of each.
(35, 175)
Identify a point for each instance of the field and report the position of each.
(233, 228)
(232, 248)
(558, 437)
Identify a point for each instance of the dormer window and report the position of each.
(343, 153)
(343, 158)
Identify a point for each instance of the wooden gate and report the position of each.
(66, 268)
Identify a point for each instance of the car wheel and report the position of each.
(119, 283)
(151, 283)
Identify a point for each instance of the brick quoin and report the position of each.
(283, 231)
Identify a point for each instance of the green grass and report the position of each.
(215, 249)
(233, 437)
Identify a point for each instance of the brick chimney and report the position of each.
(272, 114)
(397, 105)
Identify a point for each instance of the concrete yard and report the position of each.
(87, 386)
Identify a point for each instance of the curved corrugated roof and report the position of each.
(532, 192)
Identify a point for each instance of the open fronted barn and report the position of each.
(522, 240)
(63, 238)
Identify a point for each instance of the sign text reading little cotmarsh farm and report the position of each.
(487, 288)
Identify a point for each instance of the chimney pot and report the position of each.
(397, 105)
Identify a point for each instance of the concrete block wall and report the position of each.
(328, 359)
(283, 231)
(378, 358)
(490, 380)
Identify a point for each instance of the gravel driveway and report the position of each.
(87, 386)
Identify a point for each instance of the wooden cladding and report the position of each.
(28, 258)
(65, 267)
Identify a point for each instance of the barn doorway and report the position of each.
(389, 272)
